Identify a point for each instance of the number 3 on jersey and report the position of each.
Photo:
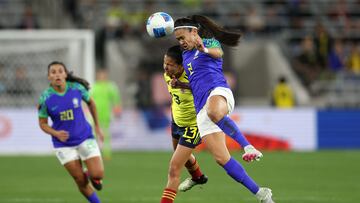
(176, 98)
(190, 68)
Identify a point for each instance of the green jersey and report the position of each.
(106, 96)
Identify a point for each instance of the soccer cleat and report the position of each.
(97, 184)
(251, 154)
(188, 183)
(264, 195)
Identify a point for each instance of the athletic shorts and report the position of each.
(86, 150)
(206, 126)
(187, 136)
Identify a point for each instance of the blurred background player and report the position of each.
(200, 38)
(282, 95)
(72, 135)
(184, 131)
(107, 98)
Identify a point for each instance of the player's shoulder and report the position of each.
(75, 86)
(46, 94)
(184, 77)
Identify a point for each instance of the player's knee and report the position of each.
(215, 114)
(98, 174)
(174, 171)
(221, 160)
(217, 108)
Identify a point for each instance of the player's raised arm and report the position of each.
(213, 51)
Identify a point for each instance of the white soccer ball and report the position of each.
(160, 24)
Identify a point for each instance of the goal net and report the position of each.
(24, 56)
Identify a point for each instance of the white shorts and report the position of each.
(86, 150)
(205, 125)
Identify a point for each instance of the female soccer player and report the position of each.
(200, 39)
(185, 134)
(72, 135)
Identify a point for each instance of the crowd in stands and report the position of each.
(321, 56)
(322, 37)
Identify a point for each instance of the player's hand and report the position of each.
(62, 135)
(99, 134)
(174, 82)
(251, 154)
(199, 45)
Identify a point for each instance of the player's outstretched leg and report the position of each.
(215, 142)
(217, 108)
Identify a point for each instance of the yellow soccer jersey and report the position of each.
(182, 105)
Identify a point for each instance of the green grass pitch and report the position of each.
(317, 177)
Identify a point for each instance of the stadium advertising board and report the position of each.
(268, 129)
(20, 133)
(293, 129)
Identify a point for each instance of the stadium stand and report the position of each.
(330, 74)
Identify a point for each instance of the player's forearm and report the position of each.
(47, 129)
(214, 52)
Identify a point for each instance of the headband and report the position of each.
(185, 26)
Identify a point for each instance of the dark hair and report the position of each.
(70, 76)
(208, 29)
(175, 53)
(282, 79)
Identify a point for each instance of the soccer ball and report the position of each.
(160, 24)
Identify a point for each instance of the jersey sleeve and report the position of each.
(42, 108)
(211, 43)
(84, 92)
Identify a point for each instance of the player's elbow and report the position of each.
(42, 124)
(42, 127)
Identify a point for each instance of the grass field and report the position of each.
(319, 177)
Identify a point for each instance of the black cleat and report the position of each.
(97, 184)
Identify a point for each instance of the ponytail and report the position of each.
(209, 29)
(70, 76)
